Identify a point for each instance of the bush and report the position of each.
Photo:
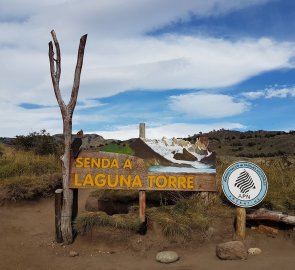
(40, 143)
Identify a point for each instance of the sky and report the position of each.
(182, 67)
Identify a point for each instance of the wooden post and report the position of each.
(67, 114)
(142, 195)
(58, 206)
(142, 130)
(241, 223)
(75, 203)
(142, 206)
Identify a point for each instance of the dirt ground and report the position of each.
(27, 242)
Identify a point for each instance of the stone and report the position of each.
(232, 250)
(74, 253)
(267, 230)
(254, 251)
(167, 257)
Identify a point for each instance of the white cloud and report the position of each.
(118, 55)
(168, 130)
(253, 94)
(280, 93)
(207, 105)
(271, 93)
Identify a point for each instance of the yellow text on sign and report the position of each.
(101, 180)
(103, 163)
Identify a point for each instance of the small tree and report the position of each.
(41, 143)
(67, 114)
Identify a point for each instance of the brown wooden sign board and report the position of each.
(103, 170)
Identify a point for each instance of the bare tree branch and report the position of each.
(55, 72)
(58, 58)
(78, 70)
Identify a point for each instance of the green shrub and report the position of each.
(40, 143)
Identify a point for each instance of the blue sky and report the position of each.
(180, 66)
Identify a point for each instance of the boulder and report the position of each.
(254, 251)
(233, 250)
(167, 257)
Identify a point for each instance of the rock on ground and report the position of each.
(74, 253)
(167, 257)
(254, 251)
(233, 250)
(267, 230)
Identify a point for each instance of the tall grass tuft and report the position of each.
(87, 222)
(181, 219)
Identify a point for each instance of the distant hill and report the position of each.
(224, 142)
(250, 143)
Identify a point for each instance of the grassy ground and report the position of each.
(114, 148)
(25, 175)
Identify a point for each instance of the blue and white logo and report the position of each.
(244, 184)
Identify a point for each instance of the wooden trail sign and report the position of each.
(103, 170)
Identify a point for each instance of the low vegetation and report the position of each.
(25, 175)
(41, 143)
(87, 222)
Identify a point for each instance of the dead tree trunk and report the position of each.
(67, 113)
(264, 214)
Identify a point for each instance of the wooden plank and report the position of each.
(241, 223)
(58, 206)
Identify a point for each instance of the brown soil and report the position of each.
(27, 242)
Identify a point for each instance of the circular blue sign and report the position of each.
(244, 184)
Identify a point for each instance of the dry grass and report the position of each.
(87, 222)
(25, 175)
(181, 219)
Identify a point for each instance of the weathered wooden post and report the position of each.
(142, 130)
(67, 113)
(241, 223)
(58, 206)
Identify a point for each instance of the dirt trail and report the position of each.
(27, 233)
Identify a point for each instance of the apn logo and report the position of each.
(244, 182)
